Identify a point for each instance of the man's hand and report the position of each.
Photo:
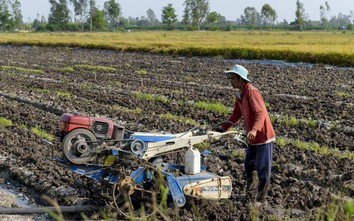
(220, 129)
(252, 134)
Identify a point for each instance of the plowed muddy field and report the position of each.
(311, 108)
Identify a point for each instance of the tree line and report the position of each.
(87, 16)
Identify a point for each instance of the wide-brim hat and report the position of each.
(239, 70)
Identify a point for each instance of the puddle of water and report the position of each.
(21, 200)
(274, 62)
(285, 63)
(294, 96)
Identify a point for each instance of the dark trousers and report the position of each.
(258, 164)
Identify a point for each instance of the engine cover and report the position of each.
(101, 127)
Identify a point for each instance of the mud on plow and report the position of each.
(131, 163)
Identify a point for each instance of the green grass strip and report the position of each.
(151, 97)
(316, 147)
(349, 208)
(96, 67)
(5, 122)
(87, 85)
(344, 94)
(63, 94)
(293, 121)
(141, 72)
(70, 69)
(21, 69)
(181, 119)
(216, 106)
(127, 110)
(43, 90)
(42, 133)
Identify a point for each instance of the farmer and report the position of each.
(260, 133)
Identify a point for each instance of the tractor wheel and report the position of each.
(139, 191)
(78, 145)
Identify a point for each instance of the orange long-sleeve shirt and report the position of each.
(252, 108)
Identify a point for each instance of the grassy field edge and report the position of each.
(314, 47)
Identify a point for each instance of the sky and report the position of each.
(231, 9)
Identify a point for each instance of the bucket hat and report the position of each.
(239, 70)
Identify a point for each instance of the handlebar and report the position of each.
(238, 135)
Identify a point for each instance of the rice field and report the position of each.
(335, 48)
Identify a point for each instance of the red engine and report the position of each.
(102, 128)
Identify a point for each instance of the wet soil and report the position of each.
(37, 85)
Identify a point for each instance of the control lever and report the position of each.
(238, 138)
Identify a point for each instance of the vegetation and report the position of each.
(196, 16)
(344, 94)
(69, 69)
(63, 94)
(22, 126)
(293, 121)
(151, 97)
(181, 119)
(42, 133)
(59, 15)
(97, 67)
(336, 208)
(42, 90)
(216, 106)
(288, 120)
(21, 69)
(313, 146)
(315, 47)
(87, 85)
(300, 15)
(38, 131)
(238, 153)
(141, 72)
(281, 141)
(268, 15)
(127, 110)
(310, 122)
(349, 208)
(5, 122)
(169, 17)
(195, 13)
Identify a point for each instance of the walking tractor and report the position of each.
(132, 162)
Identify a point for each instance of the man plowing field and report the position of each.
(250, 106)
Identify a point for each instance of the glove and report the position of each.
(220, 129)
